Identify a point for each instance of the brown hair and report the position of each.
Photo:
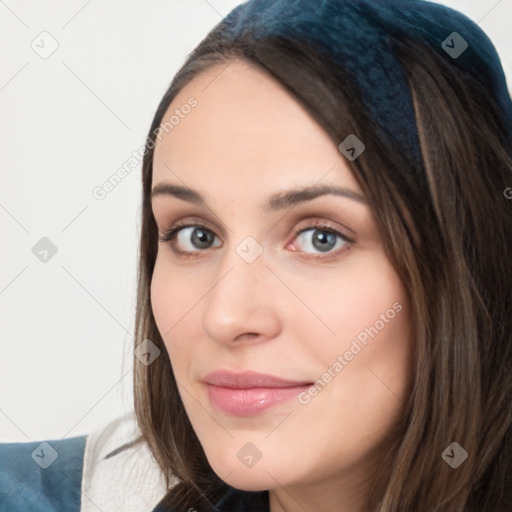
(448, 232)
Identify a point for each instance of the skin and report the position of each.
(289, 313)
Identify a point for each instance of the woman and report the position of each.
(323, 317)
(348, 351)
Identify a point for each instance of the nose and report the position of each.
(243, 303)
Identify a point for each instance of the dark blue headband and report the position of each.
(359, 35)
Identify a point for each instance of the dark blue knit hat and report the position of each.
(359, 34)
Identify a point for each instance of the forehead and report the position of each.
(246, 128)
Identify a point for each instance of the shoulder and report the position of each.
(105, 470)
(41, 475)
(120, 473)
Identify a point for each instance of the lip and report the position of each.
(247, 393)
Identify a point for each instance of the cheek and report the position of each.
(365, 297)
(163, 299)
(365, 332)
(171, 302)
(363, 371)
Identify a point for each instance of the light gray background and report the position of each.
(67, 123)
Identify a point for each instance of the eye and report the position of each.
(191, 237)
(324, 239)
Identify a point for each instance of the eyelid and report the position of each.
(326, 225)
(191, 221)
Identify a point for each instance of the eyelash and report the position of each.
(171, 234)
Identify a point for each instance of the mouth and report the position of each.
(249, 393)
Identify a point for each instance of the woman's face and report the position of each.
(294, 286)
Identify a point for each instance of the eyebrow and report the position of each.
(275, 202)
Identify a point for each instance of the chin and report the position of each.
(255, 478)
(249, 481)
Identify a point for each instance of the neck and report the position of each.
(328, 497)
(346, 492)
